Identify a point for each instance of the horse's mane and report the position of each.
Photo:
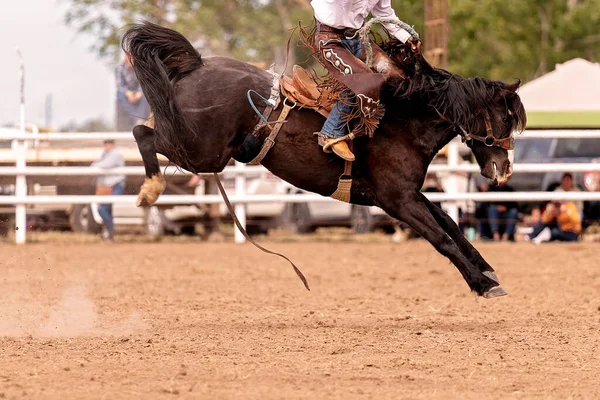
(456, 98)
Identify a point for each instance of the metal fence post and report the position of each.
(452, 185)
(20, 149)
(20, 192)
(240, 208)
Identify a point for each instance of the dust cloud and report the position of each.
(74, 315)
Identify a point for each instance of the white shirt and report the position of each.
(352, 14)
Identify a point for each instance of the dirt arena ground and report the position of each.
(197, 320)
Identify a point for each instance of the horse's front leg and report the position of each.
(155, 183)
(411, 208)
(465, 245)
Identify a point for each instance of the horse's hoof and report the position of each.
(142, 201)
(492, 275)
(496, 291)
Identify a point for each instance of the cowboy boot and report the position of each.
(338, 145)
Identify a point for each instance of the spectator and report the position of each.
(503, 210)
(109, 185)
(534, 218)
(132, 107)
(567, 185)
(560, 221)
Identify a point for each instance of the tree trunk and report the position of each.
(544, 16)
(281, 52)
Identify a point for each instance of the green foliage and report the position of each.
(498, 39)
(505, 40)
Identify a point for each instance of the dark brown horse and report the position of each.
(202, 118)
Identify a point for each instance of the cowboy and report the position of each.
(339, 47)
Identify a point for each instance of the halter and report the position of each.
(490, 141)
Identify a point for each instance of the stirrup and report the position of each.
(326, 142)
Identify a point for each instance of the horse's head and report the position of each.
(490, 135)
(484, 112)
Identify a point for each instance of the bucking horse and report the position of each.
(202, 120)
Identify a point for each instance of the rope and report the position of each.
(366, 29)
(266, 101)
(241, 228)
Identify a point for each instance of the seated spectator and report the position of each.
(567, 185)
(560, 221)
(505, 212)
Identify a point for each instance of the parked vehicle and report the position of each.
(85, 218)
(307, 217)
(563, 150)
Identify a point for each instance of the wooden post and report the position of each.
(436, 32)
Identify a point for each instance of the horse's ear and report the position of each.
(514, 86)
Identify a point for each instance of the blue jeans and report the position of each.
(334, 125)
(555, 232)
(510, 216)
(105, 210)
(136, 111)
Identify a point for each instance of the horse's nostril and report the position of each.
(507, 168)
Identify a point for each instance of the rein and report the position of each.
(489, 140)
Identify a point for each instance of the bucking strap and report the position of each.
(270, 140)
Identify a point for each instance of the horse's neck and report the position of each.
(429, 138)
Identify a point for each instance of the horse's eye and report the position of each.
(507, 120)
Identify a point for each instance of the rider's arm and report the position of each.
(383, 8)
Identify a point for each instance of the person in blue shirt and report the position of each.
(132, 106)
(109, 185)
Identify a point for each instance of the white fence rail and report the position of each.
(257, 170)
(241, 172)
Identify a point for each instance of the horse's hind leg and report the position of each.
(411, 208)
(155, 183)
(465, 245)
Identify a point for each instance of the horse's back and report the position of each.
(222, 79)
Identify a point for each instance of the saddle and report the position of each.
(302, 89)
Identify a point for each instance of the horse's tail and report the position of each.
(161, 57)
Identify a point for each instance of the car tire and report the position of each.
(301, 219)
(154, 221)
(361, 220)
(188, 230)
(82, 220)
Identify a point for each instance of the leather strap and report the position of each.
(241, 228)
(347, 32)
(344, 188)
(348, 168)
(270, 140)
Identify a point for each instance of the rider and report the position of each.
(340, 48)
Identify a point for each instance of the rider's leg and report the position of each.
(334, 49)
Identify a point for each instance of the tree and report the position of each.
(251, 30)
(491, 38)
(524, 39)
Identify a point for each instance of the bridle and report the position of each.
(489, 140)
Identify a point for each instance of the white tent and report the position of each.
(572, 86)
